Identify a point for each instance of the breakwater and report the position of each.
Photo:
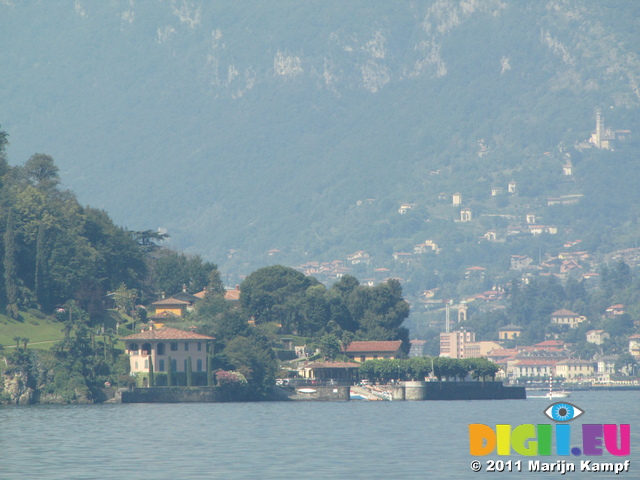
(416, 391)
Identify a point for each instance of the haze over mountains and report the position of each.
(304, 126)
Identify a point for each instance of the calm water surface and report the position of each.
(349, 440)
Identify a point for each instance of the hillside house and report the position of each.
(597, 337)
(359, 257)
(614, 310)
(567, 317)
(466, 215)
(520, 262)
(457, 199)
(402, 257)
(475, 272)
(511, 188)
(634, 345)
(491, 236)
(509, 332)
(405, 207)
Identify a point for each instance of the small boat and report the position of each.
(306, 390)
(561, 394)
(552, 394)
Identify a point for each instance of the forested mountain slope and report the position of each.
(251, 126)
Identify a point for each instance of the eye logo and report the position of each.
(563, 412)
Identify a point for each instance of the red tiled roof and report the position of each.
(550, 343)
(163, 315)
(535, 361)
(166, 333)
(574, 361)
(317, 365)
(170, 301)
(374, 346)
(232, 295)
(564, 313)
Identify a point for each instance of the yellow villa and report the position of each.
(155, 345)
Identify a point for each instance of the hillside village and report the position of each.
(448, 310)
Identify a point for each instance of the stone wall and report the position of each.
(472, 391)
(169, 395)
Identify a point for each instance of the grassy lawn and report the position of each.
(41, 332)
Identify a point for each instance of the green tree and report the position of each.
(254, 358)
(189, 372)
(169, 372)
(152, 378)
(41, 171)
(10, 267)
(626, 362)
(330, 346)
(269, 287)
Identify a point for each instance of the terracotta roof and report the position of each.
(166, 333)
(503, 352)
(550, 343)
(170, 301)
(563, 313)
(232, 295)
(575, 361)
(510, 327)
(535, 361)
(374, 346)
(163, 316)
(317, 365)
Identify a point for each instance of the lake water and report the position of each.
(282, 440)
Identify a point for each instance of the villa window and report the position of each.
(146, 364)
(174, 346)
(185, 364)
(199, 346)
(133, 347)
(199, 365)
(160, 349)
(161, 366)
(186, 346)
(174, 365)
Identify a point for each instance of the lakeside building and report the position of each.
(573, 368)
(344, 371)
(361, 351)
(154, 345)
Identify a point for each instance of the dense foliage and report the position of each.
(305, 307)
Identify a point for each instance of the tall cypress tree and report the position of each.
(42, 292)
(11, 267)
(189, 373)
(152, 378)
(170, 372)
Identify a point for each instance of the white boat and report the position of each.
(552, 394)
(561, 394)
(306, 390)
